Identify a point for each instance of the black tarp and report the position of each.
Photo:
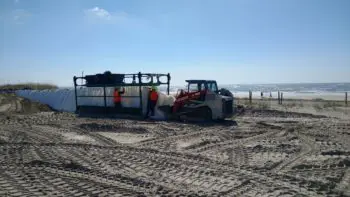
(101, 79)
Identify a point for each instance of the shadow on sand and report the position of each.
(135, 114)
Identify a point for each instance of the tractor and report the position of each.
(201, 100)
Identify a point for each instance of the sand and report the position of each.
(330, 108)
(269, 152)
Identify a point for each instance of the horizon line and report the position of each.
(283, 83)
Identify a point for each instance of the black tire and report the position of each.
(240, 108)
(207, 114)
(220, 120)
(225, 92)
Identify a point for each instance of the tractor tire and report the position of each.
(240, 110)
(225, 92)
(207, 113)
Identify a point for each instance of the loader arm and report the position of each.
(187, 97)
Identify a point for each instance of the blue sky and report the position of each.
(232, 41)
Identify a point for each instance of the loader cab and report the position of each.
(202, 85)
(219, 102)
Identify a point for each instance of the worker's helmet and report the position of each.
(154, 88)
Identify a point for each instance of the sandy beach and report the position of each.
(331, 96)
(300, 148)
(329, 108)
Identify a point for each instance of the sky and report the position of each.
(231, 41)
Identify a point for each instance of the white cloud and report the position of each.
(19, 16)
(97, 14)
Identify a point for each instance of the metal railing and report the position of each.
(136, 82)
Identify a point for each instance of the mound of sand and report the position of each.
(10, 103)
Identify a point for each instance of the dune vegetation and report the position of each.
(31, 86)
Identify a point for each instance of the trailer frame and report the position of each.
(137, 81)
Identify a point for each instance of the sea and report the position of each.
(325, 91)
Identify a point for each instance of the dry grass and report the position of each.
(326, 105)
(332, 104)
(317, 107)
(256, 104)
(264, 105)
(290, 105)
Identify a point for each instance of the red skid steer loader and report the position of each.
(202, 100)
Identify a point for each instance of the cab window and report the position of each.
(193, 87)
(201, 87)
(212, 87)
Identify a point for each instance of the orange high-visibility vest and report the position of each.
(154, 96)
(117, 98)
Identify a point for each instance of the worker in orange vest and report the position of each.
(152, 101)
(117, 98)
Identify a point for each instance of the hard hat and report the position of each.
(154, 88)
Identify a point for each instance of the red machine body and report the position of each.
(184, 97)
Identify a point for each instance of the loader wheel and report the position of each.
(207, 114)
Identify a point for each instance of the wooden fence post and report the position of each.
(281, 97)
(250, 96)
(104, 98)
(346, 98)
